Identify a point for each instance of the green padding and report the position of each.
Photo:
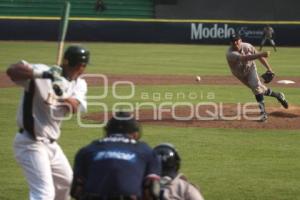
(115, 8)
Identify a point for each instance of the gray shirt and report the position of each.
(237, 66)
(179, 189)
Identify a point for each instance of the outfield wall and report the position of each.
(154, 31)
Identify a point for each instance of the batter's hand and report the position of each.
(48, 75)
(56, 72)
(53, 73)
(60, 85)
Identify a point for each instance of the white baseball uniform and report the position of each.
(245, 71)
(45, 166)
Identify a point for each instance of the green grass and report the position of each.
(114, 58)
(189, 93)
(228, 164)
(240, 162)
(237, 164)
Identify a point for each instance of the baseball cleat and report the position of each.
(263, 117)
(282, 100)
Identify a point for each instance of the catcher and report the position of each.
(240, 57)
(174, 185)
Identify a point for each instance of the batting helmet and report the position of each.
(75, 55)
(169, 157)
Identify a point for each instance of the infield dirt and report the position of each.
(279, 118)
(139, 79)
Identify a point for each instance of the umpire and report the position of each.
(118, 166)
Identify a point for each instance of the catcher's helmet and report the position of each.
(169, 157)
(75, 55)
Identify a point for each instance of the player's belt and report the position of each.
(95, 197)
(46, 140)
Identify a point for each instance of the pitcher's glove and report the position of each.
(268, 76)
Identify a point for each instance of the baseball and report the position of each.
(198, 78)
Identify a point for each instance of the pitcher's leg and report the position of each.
(279, 96)
(258, 90)
(254, 82)
(261, 105)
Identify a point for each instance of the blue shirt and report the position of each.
(116, 165)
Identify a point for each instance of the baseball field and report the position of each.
(224, 150)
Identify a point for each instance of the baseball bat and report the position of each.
(62, 31)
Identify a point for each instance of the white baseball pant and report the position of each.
(45, 166)
(252, 81)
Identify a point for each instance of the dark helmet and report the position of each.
(169, 157)
(234, 37)
(75, 55)
(122, 123)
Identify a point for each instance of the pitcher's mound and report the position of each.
(225, 116)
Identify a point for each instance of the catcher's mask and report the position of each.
(122, 123)
(75, 55)
(169, 157)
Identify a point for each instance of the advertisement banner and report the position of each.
(146, 31)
